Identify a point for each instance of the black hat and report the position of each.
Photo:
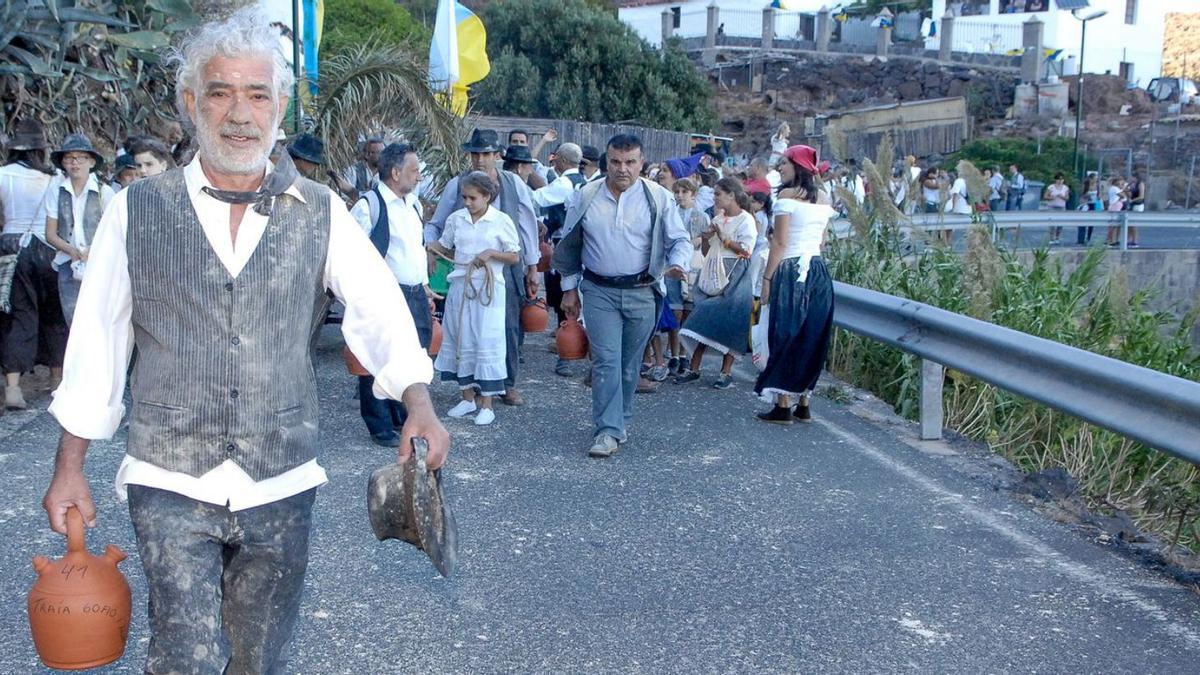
(308, 148)
(591, 154)
(76, 143)
(29, 135)
(123, 161)
(483, 140)
(518, 153)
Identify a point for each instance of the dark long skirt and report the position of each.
(722, 321)
(800, 324)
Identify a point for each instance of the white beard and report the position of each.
(224, 159)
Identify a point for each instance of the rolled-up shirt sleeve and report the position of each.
(376, 326)
(88, 402)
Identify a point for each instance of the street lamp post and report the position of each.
(1079, 90)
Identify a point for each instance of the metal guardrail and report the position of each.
(998, 221)
(1162, 411)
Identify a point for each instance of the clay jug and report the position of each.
(547, 253)
(79, 607)
(435, 340)
(352, 364)
(571, 340)
(534, 317)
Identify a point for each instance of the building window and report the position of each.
(1131, 12)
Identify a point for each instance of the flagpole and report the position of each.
(296, 32)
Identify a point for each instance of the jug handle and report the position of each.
(75, 536)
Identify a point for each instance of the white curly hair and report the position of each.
(246, 31)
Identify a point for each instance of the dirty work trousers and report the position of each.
(224, 585)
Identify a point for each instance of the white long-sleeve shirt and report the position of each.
(557, 192)
(406, 233)
(88, 403)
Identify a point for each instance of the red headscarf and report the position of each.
(805, 157)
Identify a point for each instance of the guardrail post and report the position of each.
(932, 376)
(714, 18)
(768, 28)
(946, 30)
(1124, 231)
(668, 26)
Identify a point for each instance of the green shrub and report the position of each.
(591, 67)
(351, 23)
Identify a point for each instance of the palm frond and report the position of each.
(378, 88)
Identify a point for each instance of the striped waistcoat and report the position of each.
(224, 367)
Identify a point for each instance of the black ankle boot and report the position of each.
(777, 415)
(802, 414)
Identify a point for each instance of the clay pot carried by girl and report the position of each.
(435, 340)
(547, 253)
(571, 340)
(353, 365)
(79, 607)
(534, 316)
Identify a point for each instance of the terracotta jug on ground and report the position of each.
(571, 340)
(534, 316)
(435, 340)
(353, 366)
(79, 607)
(547, 253)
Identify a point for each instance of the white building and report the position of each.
(740, 18)
(1128, 40)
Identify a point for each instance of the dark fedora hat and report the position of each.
(307, 147)
(483, 140)
(76, 143)
(123, 161)
(520, 154)
(591, 154)
(28, 135)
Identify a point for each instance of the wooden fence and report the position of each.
(658, 144)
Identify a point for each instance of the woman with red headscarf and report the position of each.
(797, 288)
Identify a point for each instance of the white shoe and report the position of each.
(463, 409)
(485, 417)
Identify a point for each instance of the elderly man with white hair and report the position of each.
(217, 272)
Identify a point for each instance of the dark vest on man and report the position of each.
(92, 210)
(557, 215)
(381, 229)
(224, 367)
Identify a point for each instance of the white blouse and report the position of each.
(495, 230)
(806, 229)
(740, 228)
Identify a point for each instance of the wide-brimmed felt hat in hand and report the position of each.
(76, 143)
(520, 154)
(28, 135)
(307, 147)
(483, 140)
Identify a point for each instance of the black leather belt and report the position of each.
(639, 280)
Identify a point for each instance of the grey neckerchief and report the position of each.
(276, 183)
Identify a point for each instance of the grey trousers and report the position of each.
(619, 325)
(224, 586)
(68, 291)
(514, 297)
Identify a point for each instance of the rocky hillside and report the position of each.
(1181, 45)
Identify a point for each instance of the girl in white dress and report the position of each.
(481, 241)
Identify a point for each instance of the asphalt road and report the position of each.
(711, 543)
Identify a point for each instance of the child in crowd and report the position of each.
(760, 206)
(1115, 201)
(480, 240)
(722, 320)
(678, 291)
(705, 195)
